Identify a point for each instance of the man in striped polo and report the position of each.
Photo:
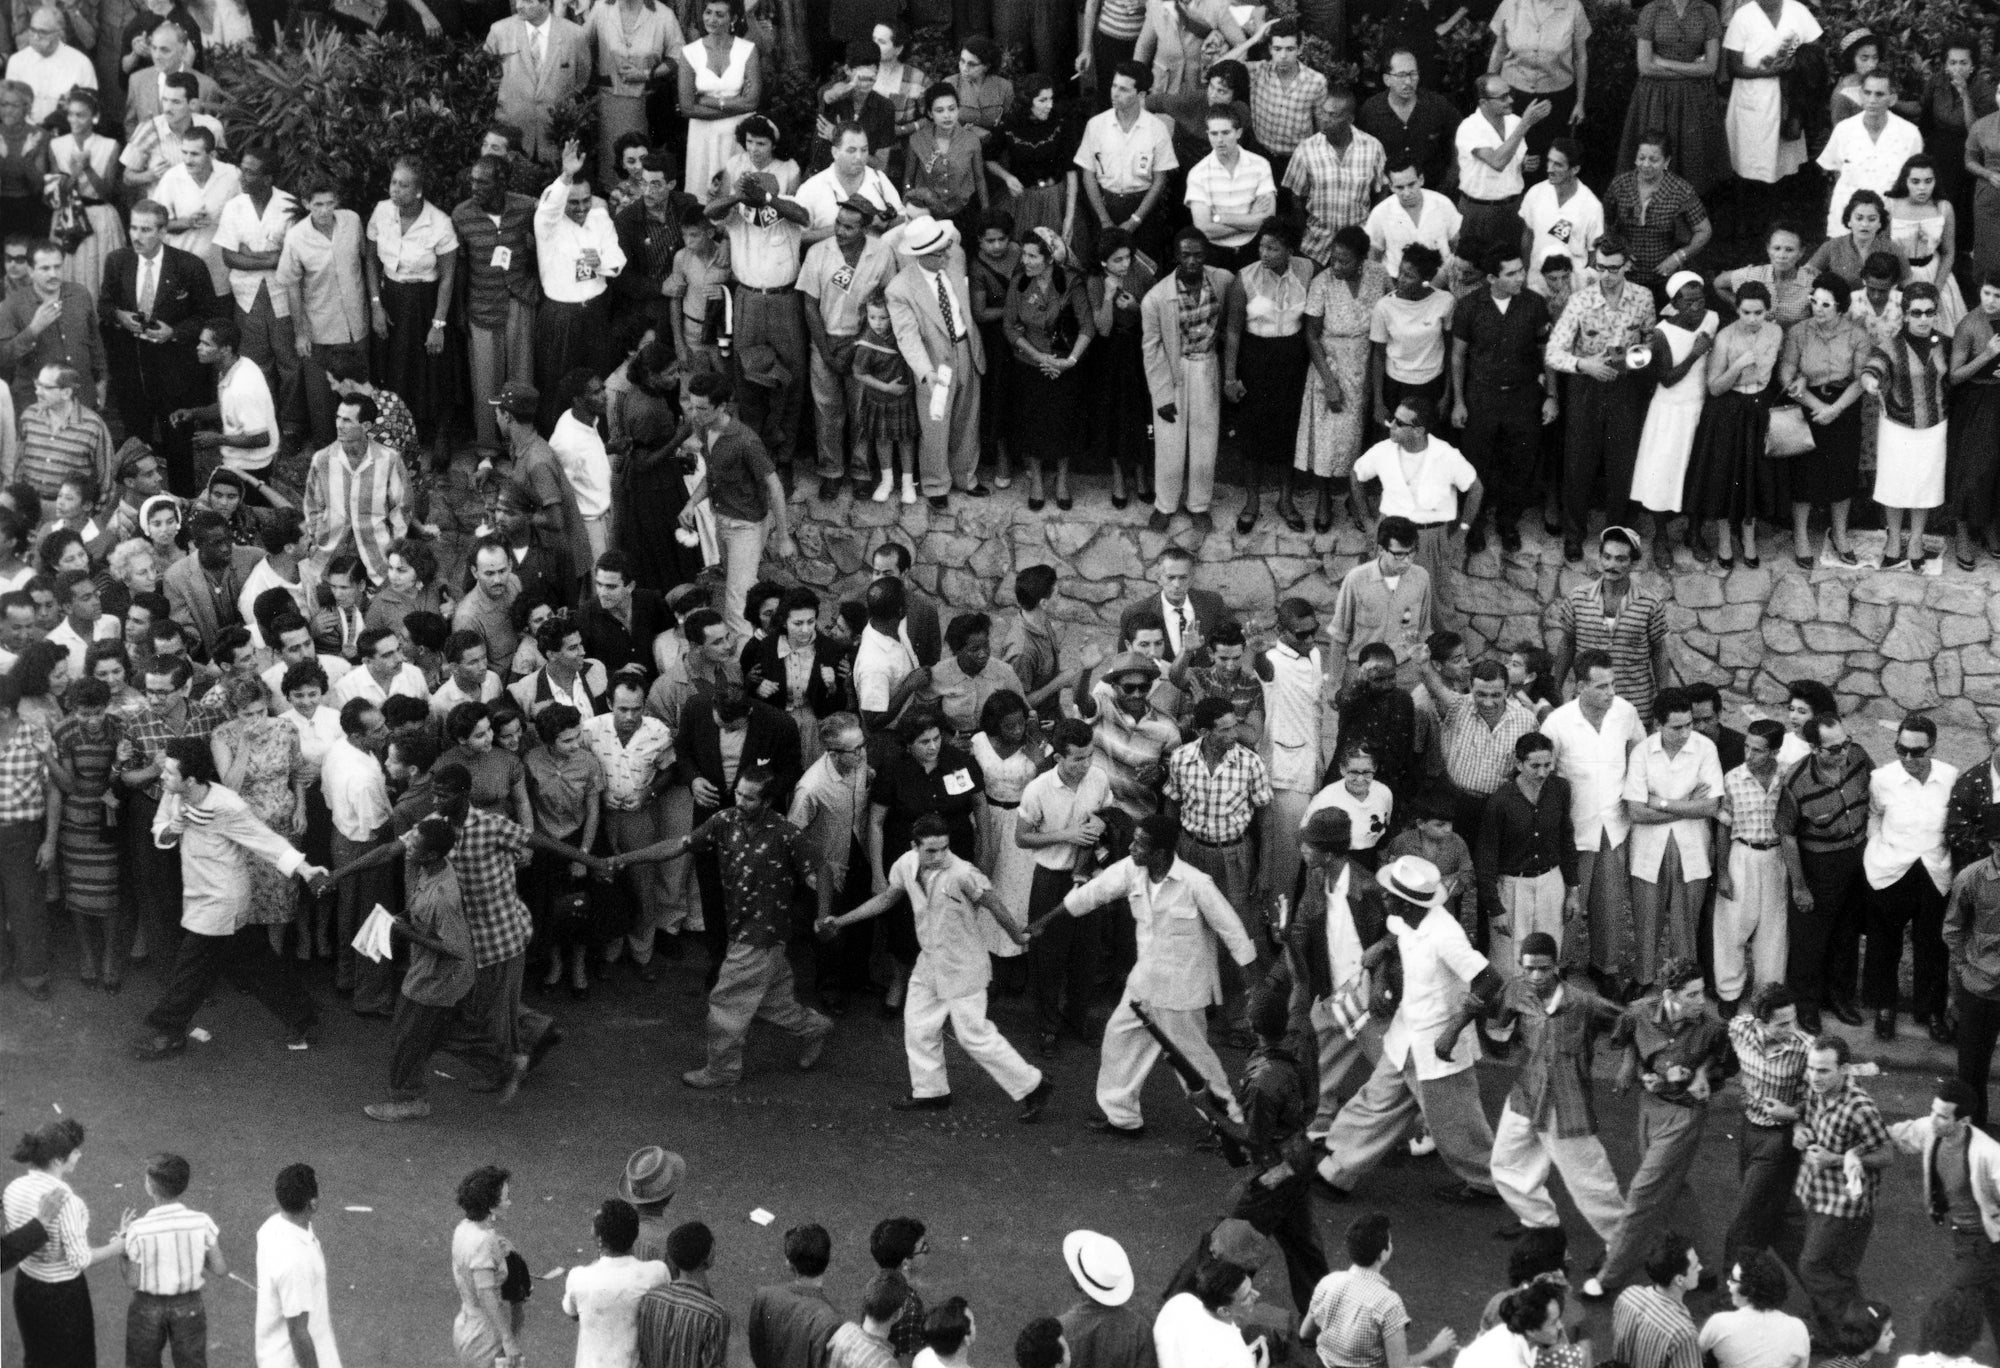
(1822, 825)
(167, 1253)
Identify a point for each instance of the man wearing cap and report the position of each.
(840, 273)
(1184, 320)
(1415, 1076)
(1342, 917)
(1133, 735)
(536, 469)
(1550, 1116)
(1180, 915)
(652, 1177)
(930, 310)
(1102, 1331)
(577, 252)
(1619, 616)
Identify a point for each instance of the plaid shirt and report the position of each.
(1336, 189)
(150, 733)
(1553, 1089)
(24, 778)
(1671, 217)
(1774, 1066)
(1650, 1329)
(1841, 1121)
(1217, 804)
(903, 94)
(1750, 807)
(490, 850)
(1281, 115)
(1480, 757)
(1355, 1310)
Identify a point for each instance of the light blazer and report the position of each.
(528, 92)
(1160, 320)
(1917, 1137)
(920, 327)
(186, 590)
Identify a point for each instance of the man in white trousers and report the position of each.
(1180, 915)
(1549, 1119)
(1751, 891)
(947, 896)
(1294, 678)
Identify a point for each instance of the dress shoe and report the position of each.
(1103, 1126)
(1510, 538)
(1328, 1191)
(829, 488)
(939, 503)
(1047, 1048)
(701, 1078)
(1942, 1029)
(941, 1102)
(814, 1046)
(1159, 522)
(1844, 1012)
(1036, 1102)
(547, 1041)
(1475, 540)
(413, 1110)
(158, 1046)
(1464, 1194)
(1885, 1025)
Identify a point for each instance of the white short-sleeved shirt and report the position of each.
(604, 1298)
(1861, 161)
(1422, 486)
(880, 663)
(1390, 229)
(1368, 817)
(1749, 1338)
(1649, 770)
(954, 962)
(1413, 331)
(244, 397)
(822, 194)
(1125, 163)
(1225, 191)
(1476, 179)
(1048, 804)
(291, 1278)
(1570, 229)
(580, 451)
(1593, 761)
(1439, 965)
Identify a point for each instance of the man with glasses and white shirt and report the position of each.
(1908, 867)
(1421, 477)
(1607, 406)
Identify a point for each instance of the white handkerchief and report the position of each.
(373, 939)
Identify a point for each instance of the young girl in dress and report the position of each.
(1926, 229)
(888, 406)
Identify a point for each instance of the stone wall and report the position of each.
(1886, 642)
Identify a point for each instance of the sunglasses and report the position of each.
(1920, 313)
(1912, 752)
(1136, 687)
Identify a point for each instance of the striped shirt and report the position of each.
(54, 450)
(1773, 1061)
(1913, 380)
(489, 287)
(853, 1347)
(357, 507)
(1750, 807)
(167, 1249)
(1219, 801)
(1826, 816)
(682, 1326)
(1650, 1329)
(1630, 638)
(67, 1253)
(1355, 1310)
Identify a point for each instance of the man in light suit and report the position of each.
(1178, 603)
(171, 52)
(948, 457)
(1184, 372)
(190, 584)
(544, 58)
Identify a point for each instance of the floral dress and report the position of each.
(1329, 442)
(272, 747)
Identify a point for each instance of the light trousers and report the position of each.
(1184, 450)
(755, 985)
(1376, 1119)
(1750, 928)
(742, 553)
(1130, 1052)
(1528, 905)
(835, 398)
(1281, 840)
(495, 356)
(924, 1016)
(1522, 1157)
(635, 829)
(948, 447)
(1339, 1060)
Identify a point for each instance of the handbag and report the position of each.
(1790, 434)
(69, 225)
(369, 14)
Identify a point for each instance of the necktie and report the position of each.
(944, 307)
(538, 47)
(1180, 618)
(148, 282)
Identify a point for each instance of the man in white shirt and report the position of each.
(577, 251)
(849, 178)
(1908, 866)
(1594, 735)
(248, 435)
(1673, 789)
(357, 796)
(883, 664)
(1414, 1078)
(1492, 143)
(1410, 214)
(1230, 192)
(1293, 675)
(1418, 476)
(1126, 157)
(83, 622)
(250, 237)
(467, 679)
(294, 1322)
(1563, 216)
(384, 671)
(160, 142)
(1180, 915)
(1057, 822)
(49, 66)
(193, 195)
(1867, 150)
(579, 447)
(636, 752)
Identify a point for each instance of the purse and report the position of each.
(69, 225)
(1790, 434)
(369, 14)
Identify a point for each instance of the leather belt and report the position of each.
(1757, 845)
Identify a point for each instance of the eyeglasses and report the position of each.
(1399, 552)
(1399, 422)
(1360, 774)
(16, 259)
(846, 750)
(1920, 313)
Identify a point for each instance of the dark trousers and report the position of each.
(1767, 1216)
(841, 964)
(1975, 1268)
(714, 914)
(1561, 102)
(151, 879)
(1502, 439)
(1605, 419)
(1047, 29)
(1912, 900)
(1825, 942)
(1062, 959)
(153, 1322)
(245, 959)
(1105, 54)
(373, 984)
(1151, 235)
(1284, 1214)
(1978, 1029)
(24, 908)
(1830, 1267)
(419, 1031)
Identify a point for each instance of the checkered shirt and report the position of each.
(1750, 808)
(903, 95)
(1480, 758)
(1355, 1310)
(490, 850)
(1672, 215)
(150, 734)
(1217, 804)
(24, 778)
(1282, 115)
(1649, 1329)
(1336, 190)
(1843, 1120)
(1774, 1066)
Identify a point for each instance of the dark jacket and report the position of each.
(825, 691)
(18, 1243)
(772, 741)
(607, 639)
(1970, 797)
(151, 379)
(1206, 605)
(1306, 935)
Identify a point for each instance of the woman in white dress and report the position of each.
(485, 1328)
(90, 160)
(1927, 231)
(1762, 39)
(720, 84)
(1685, 334)
(1010, 752)
(1908, 374)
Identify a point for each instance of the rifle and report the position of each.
(1213, 1110)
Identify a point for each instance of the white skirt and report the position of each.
(1660, 472)
(711, 143)
(1909, 465)
(1753, 126)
